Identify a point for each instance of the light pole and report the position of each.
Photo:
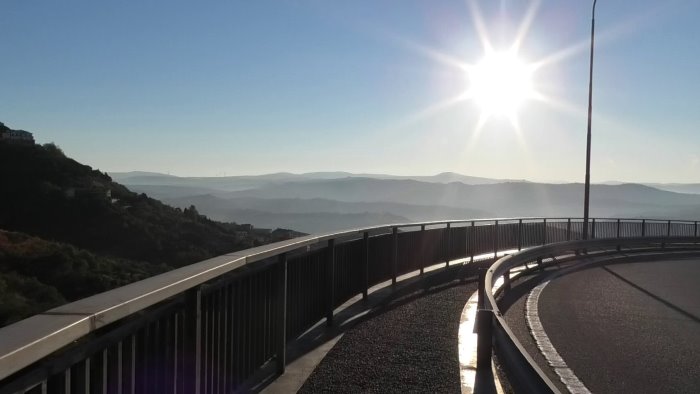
(587, 187)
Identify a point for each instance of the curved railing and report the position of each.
(221, 323)
(523, 372)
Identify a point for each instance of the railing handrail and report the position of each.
(31, 339)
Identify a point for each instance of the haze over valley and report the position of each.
(327, 201)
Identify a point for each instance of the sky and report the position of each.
(250, 87)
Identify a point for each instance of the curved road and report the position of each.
(629, 327)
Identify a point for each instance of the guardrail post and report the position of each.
(281, 300)
(668, 229)
(568, 229)
(422, 249)
(495, 240)
(330, 279)
(544, 231)
(447, 245)
(484, 344)
(506, 281)
(365, 265)
(593, 229)
(394, 253)
(520, 234)
(471, 260)
(192, 340)
(481, 296)
(644, 227)
(696, 228)
(618, 228)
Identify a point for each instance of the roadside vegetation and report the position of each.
(68, 231)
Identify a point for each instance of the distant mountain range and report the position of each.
(691, 188)
(242, 182)
(325, 201)
(233, 183)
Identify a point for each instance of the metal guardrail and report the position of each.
(216, 325)
(525, 375)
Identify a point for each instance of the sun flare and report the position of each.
(500, 83)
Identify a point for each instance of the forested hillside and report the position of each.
(68, 231)
(36, 275)
(54, 197)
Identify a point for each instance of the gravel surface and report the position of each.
(410, 346)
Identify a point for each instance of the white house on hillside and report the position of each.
(17, 136)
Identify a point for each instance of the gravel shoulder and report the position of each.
(410, 345)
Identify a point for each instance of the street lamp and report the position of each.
(587, 187)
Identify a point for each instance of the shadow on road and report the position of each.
(652, 295)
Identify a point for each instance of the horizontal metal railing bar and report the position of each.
(646, 220)
(514, 260)
(31, 339)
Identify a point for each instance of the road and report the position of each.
(629, 327)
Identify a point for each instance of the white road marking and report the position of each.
(566, 375)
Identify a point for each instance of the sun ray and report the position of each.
(515, 122)
(525, 24)
(522, 141)
(561, 55)
(603, 37)
(428, 52)
(474, 138)
(479, 26)
(560, 104)
(430, 111)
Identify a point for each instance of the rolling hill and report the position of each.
(317, 214)
(328, 199)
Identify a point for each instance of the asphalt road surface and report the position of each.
(628, 328)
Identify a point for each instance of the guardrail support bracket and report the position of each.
(484, 345)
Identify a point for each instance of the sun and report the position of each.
(500, 83)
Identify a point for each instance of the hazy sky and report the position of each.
(249, 87)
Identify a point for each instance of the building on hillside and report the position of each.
(246, 227)
(16, 136)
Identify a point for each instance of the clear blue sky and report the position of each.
(249, 87)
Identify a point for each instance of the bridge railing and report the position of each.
(220, 324)
(524, 373)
